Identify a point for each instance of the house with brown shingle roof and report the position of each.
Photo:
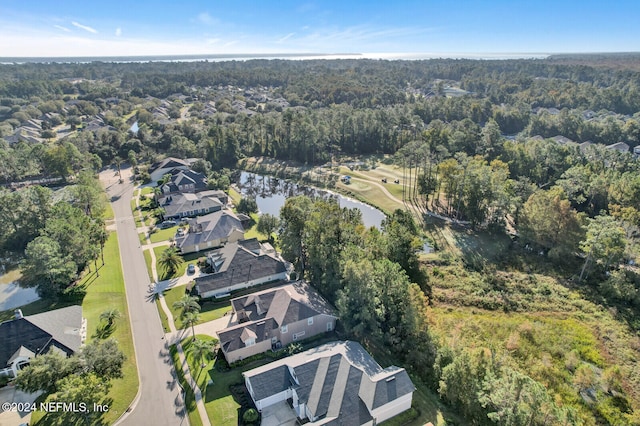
(273, 318)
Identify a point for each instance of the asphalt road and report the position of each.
(159, 400)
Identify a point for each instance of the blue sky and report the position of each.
(141, 27)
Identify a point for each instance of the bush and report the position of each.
(250, 416)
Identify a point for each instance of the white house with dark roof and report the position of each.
(239, 265)
(24, 337)
(210, 231)
(273, 318)
(338, 383)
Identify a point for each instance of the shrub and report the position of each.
(250, 416)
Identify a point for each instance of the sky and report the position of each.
(60, 28)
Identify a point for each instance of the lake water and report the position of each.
(11, 294)
(270, 194)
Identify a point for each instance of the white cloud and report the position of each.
(118, 32)
(213, 40)
(205, 18)
(60, 27)
(84, 27)
(285, 38)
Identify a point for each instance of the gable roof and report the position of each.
(210, 227)
(619, 146)
(239, 262)
(339, 381)
(182, 177)
(169, 163)
(180, 204)
(270, 309)
(36, 334)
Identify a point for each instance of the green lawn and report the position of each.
(163, 317)
(163, 234)
(147, 261)
(235, 196)
(103, 292)
(147, 190)
(190, 400)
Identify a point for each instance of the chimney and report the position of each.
(18, 314)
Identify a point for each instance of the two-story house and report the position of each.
(273, 318)
(337, 383)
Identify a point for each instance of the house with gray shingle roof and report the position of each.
(239, 265)
(619, 146)
(210, 231)
(180, 205)
(184, 181)
(63, 330)
(159, 169)
(273, 318)
(338, 383)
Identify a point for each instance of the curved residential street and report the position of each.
(159, 400)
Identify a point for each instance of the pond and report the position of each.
(270, 194)
(11, 294)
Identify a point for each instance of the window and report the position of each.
(274, 339)
(329, 326)
(284, 329)
(310, 321)
(250, 342)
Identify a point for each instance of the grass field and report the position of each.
(147, 261)
(163, 234)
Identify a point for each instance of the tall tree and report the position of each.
(170, 259)
(186, 304)
(604, 244)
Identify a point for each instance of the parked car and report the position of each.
(167, 224)
(191, 268)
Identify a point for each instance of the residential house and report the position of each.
(619, 146)
(184, 181)
(179, 205)
(24, 337)
(161, 168)
(210, 231)
(636, 151)
(273, 318)
(241, 264)
(338, 383)
(562, 140)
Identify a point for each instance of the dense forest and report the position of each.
(535, 157)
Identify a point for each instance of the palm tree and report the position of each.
(190, 319)
(170, 260)
(186, 304)
(110, 316)
(201, 350)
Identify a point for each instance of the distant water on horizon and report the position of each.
(286, 56)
